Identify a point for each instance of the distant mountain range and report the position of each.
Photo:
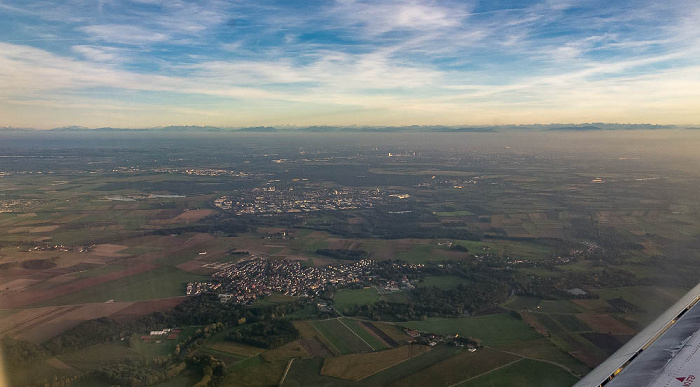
(369, 129)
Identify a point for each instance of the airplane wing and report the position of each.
(664, 354)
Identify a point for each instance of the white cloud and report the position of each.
(123, 34)
(100, 53)
(375, 18)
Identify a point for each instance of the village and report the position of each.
(256, 277)
(270, 200)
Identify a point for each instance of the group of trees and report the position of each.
(17, 353)
(204, 310)
(432, 301)
(131, 373)
(266, 334)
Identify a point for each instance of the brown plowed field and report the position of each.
(70, 316)
(378, 333)
(17, 300)
(315, 347)
(604, 323)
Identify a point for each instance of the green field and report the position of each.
(493, 330)
(524, 373)
(571, 323)
(361, 365)
(344, 339)
(421, 253)
(543, 348)
(161, 282)
(443, 281)
(102, 354)
(274, 299)
(369, 338)
(254, 371)
(457, 368)
(560, 306)
(519, 303)
(651, 301)
(409, 367)
(348, 298)
(454, 213)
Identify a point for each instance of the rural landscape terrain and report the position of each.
(335, 259)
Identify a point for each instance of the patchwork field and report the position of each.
(523, 372)
(359, 366)
(463, 366)
(341, 337)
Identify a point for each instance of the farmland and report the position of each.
(341, 337)
(492, 330)
(523, 373)
(520, 251)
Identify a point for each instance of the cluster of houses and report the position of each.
(158, 336)
(256, 277)
(270, 200)
(433, 339)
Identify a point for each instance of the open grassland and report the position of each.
(286, 352)
(342, 338)
(558, 306)
(650, 300)
(420, 253)
(254, 371)
(524, 373)
(542, 348)
(102, 354)
(360, 366)
(234, 348)
(518, 303)
(274, 299)
(348, 298)
(463, 366)
(493, 330)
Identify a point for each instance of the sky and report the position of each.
(145, 63)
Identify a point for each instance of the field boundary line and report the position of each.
(394, 365)
(286, 370)
(355, 333)
(487, 372)
(565, 368)
(326, 338)
(33, 324)
(29, 319)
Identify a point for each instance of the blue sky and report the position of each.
(139, 63)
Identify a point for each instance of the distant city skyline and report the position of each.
(146, 63)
